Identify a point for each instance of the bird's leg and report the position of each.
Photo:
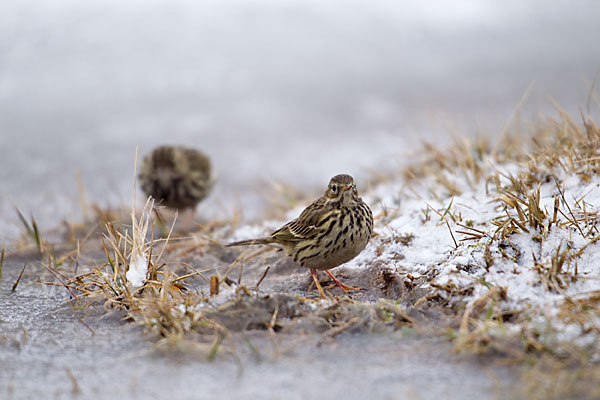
(188, 220)
(313, 272)
(340, 284)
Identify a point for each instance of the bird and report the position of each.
(177, 177)
(331, 231)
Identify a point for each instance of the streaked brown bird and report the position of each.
(177, 177)
(331, 231)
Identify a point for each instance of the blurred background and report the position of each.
(273, 90)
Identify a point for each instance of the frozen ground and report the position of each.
(46, 352)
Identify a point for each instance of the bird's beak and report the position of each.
(347, 187)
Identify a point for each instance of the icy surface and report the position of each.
(292, 91)
(45, 349)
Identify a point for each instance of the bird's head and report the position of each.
(341, 187)
(164, 157)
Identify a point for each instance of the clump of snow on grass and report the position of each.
(138, 268)
(138, 259)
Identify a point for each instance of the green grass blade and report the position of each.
(36, 235)
(25, 223)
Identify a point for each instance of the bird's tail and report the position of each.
(265, 240)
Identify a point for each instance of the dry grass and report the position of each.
(181, 314)
(177, 313)
(562, 367)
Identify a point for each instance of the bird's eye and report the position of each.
(333, 188)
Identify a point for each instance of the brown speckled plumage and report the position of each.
(177, 177)
(331, 231)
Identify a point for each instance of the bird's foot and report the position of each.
(313, 272)
(337, 283)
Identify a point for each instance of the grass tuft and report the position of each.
(32, 230)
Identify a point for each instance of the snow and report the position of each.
(138, 259)
(138, 268)
(250, 232)
(432, 251)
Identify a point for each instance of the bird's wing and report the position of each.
(308, 225)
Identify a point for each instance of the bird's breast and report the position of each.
(345, 237)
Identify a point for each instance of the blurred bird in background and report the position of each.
(177, 177)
